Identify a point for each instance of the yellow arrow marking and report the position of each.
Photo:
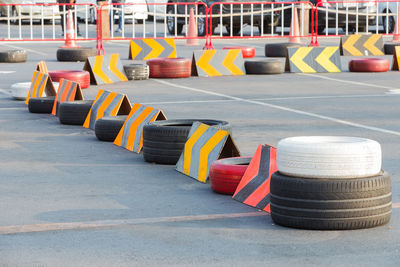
(98, 62)
(204, 63)
(349, 45)
(297, 59)
(171, 42)
(118, 139)
(87, 120)
(156, 48)
(370, 45)
(114, 69)
(104, 105)
(135, 49)
(324, 59)
(231, 55)
(187, 154)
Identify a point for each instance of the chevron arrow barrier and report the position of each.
(40, 83)
(396, 58)
(148, 48)
(105, 69)
(131, 134)
(107, 104)
(361, 45)
(42, 67)
(67, 91)
(314, 59)
(254, 188)
(207, 63)
(205, 144)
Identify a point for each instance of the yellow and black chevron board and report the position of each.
(105, 69)
(148, 48)
(207, 63)
(361, 45)
(314, 59)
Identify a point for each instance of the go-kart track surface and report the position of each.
(67, 199)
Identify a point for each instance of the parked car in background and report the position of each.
(158, 7)
(26, 11)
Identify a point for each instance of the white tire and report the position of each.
(19, 91)
(328, 157)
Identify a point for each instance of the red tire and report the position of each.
(225, 174)
(79, 76)
(369, 65)
(170, 67)
(247, 51)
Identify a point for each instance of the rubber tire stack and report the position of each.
(330, 183)
(79, 76)
(369, 65)
(279, 49)
(137, 71)
(13, 56)
(170, 67)
(247, 51)
(108, 127)
(164, 141)
(75, 54)
(74, 112)
(41, 104)
(273, 66)
(389, 48)
(225, 174)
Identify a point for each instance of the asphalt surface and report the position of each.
(67, 199)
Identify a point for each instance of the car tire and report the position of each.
(164, 141)
(226, 174)
(172, 23)
(74, 112)
(41, 104)
(247, 51)
(331, 204)
(137, 71)
(13, 56)
(369, 65)
(392, 23)
(389, 48)
(170, 67)
(108, 127)
(279, 49)
(264, 67)
(75, 54)
(79, 76)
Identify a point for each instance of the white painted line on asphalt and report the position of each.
(2, 91)
(349, 123)
(27, 49)
(19, 108)
(6, 71)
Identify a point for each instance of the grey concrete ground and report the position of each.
(58, 177)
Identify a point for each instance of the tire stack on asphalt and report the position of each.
(107, 128)
(389, 48)
(170, 67)
(75, 54)
(269, 66)
(41, 104)
(74, 112)
(81, 77)
(330, 183)
(13, 56)
(137, 71)
(369, 65)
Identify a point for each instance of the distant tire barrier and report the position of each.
(225, 174)
(107, 128)
(75, 54)
(13, 56)
(369, 65)
(331, 204)
(170, 67)
(74, 112)
(328, 157)
(389, 48)
(137, 71)
(41, 104)
(279, 49)
(163, 141)
(264, 67)
(79, 76)
(247, 51)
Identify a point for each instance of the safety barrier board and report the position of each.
(40, 83)
(313, 59)
(361, 45)
(207, 63)
(42, 67)
(205, 144)
(107, 104)
(131, 134)
(254, 188)
(148, 48)
(396, 58)
(105, 69)
(67, 91)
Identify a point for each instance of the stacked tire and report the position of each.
(170, 67)
(330, 183)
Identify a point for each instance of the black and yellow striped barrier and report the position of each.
(67, 91)
(207, 63)
(107, 104)
(105, 69)
(131, 134)
(148, 48)
(396, 58)
(205, 144)
(313, 59)
(40, 83)
(361, 45)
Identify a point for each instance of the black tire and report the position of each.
(279, 49)
(107, 128)
(13, 56)
(137, 71)
(74, 112)
(75, 54)
(264, 67)
(41, 104)
(163, 141)
(389, 48)
(171, 22)
(392, 22)
(331, 204)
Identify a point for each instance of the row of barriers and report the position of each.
(37, 22)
